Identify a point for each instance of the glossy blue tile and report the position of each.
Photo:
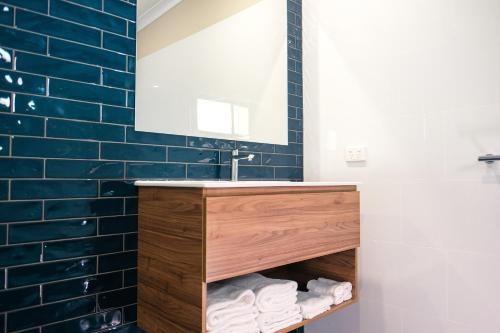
(117, 261)
(134, 136)
(4, 146)
(126, 329)
(131, 99)
(82, 247)
(256, 172)
(46, 272)
(21, 82)
(257, 147)
(35, 5)
(22, 40)
(88, 17)
(291, 148)
(96, 4)
(292, 112)
(19, 298)
(80, 287)
(20, 211)
(86, 92)
(117, 224)
(60, 209)
(41, 147)
(84, 130)
(131, 64)
(292, 136)
(130, 277)
(295, 101)
(54, 107)
(289, 173)
(2, 322)
(120, 8)
(189, 155)
(210, 143)
(6, 59)
(132, 30)
(131, 152)
(37, 64)
(6, 98)
(119, 44)
(130, 242)
(87, 54)
(118, 79)
(92, 323)
(118, 188)
(117, 298)
(7, 15)
(19, 254)
(49, 313)
(200, 171)
(131, 206)
(4, 190)
(3, 241)
(21, 125)
(57, 28)
(84, 169)
(294, 124)
(21, 168)
(42, 231)
(53, 189)
(130, 313)
(156, 170)
(279, 160)
(118, 115)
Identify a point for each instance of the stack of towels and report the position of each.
(276, 301)
(312, 304)
(340, 291)
(231, 309)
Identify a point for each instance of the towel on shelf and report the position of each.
(273, 321)
(312, 304)
(270, 294)
(249, 326)
(340, 291)
(347, 285)
(229, 305)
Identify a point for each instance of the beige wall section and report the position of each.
(185, 19)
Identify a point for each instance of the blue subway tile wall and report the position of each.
(69, 154)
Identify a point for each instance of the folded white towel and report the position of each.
(270, 294)
(249, 326)
(312, 304)
(273, 321)
(228, 305)
(347, 296)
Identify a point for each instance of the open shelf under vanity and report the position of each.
(191, 237)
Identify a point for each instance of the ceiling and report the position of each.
(144, 5)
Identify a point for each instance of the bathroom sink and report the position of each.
(225, 184)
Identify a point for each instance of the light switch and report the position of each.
(355, 154)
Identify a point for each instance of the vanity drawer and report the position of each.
(250, 233)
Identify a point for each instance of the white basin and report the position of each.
(212, 183)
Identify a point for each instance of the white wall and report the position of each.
(418, 83)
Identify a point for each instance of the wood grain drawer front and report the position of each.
(251, 233)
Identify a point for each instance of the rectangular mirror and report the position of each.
(213, 68)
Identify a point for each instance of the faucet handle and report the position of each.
(250, 157)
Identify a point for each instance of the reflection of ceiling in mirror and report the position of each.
(150, 10)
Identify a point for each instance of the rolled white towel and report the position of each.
(227, 304)
(273, 321)
(249, 326)
(347, 296)
(347, 285)
(312, 304)
(329, 287)
(270, 294)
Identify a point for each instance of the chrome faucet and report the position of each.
(235, 159)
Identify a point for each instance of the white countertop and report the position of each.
(222, 184)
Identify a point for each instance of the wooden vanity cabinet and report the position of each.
(189, 237)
